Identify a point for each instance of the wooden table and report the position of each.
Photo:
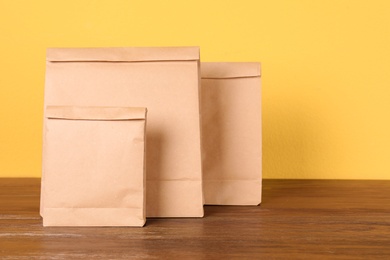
(298, 219)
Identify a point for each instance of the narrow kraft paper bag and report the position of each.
(231, 133)
(94, 166)
(165, 80)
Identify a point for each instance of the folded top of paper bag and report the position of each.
(226, 70)
(128, 54)
(95, 113)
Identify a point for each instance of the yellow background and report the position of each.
(326, 71)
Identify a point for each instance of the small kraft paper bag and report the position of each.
(165, 80)
(94, 166)
(231, 133)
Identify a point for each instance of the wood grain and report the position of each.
(298, 219)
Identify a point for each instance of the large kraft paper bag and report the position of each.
(231, 133)
(94, 166)
(163, 79)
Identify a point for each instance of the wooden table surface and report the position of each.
(298, 219)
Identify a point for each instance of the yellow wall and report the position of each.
(326, 71)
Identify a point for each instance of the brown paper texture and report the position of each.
(166, 81)
(94, 166)
(231, 133)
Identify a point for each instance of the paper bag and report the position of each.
(231, 133)
(166, 81)
(94, 166)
